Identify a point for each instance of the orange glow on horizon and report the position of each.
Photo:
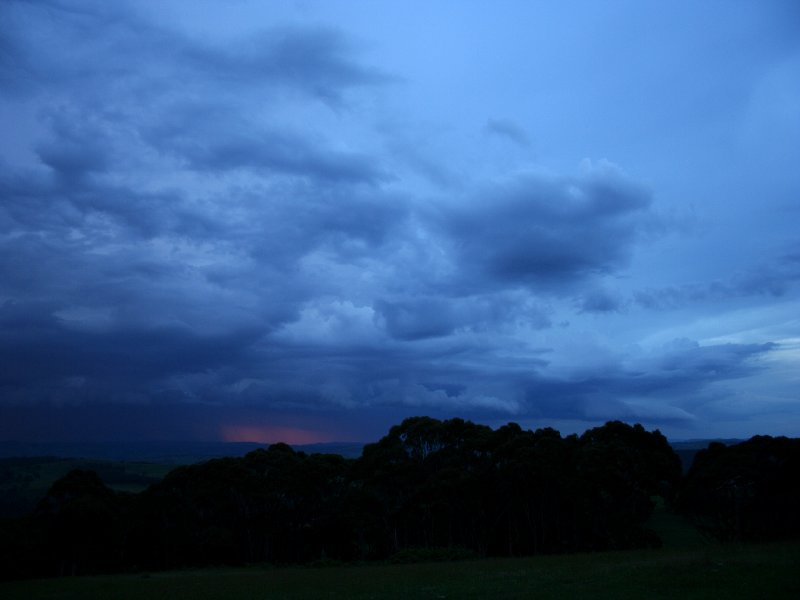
(269, 434)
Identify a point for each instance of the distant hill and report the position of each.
(27, 470)
(175, 453)
(686, 449)
(24, 480)
(180, 453)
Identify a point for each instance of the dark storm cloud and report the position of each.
(667, 388)
(215, 138)
(78, 144)
(318, 61)
(126, 96)
(109, 257)
(599, 301)
(546, 233)
(420, 317)
(66, 200)
(108, 45)
(417, 319)
(774, 279)
(44, 357)
(116, 286)
(212, 223)
(431, 374)
(132, 301)
(678, 375)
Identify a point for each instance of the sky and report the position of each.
(304, 221)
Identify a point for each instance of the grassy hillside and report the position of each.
(755, 571)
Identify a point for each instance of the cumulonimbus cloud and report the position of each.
(197, 223)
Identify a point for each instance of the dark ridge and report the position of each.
(161, 452)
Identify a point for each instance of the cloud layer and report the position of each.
(235, 226)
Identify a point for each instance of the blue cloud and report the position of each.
(292, 221)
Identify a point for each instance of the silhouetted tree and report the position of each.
(748, 491)
(426, 486)
(82, 522)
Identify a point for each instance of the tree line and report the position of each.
(452, 487)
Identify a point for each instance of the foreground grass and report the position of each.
(713, 571)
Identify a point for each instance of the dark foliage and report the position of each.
(81, 525)
(436, 489)
(747, 491)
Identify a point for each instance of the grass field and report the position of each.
(732, 572)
